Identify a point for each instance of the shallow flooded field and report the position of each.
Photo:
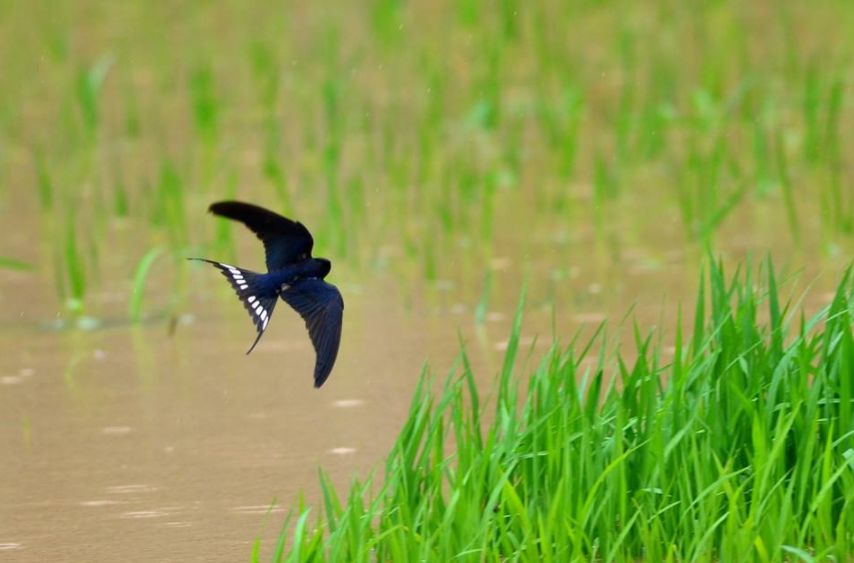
(443, 156)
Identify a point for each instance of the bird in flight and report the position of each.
(292, 274)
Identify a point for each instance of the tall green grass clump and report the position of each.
(740, 447)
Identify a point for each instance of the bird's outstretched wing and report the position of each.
(322, 308)
(285, 241)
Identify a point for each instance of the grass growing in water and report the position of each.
(139, 278)
(14, 264)
(740, 447)
(724, 111)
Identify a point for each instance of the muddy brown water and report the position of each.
(165, 442)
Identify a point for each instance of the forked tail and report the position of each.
(257, 301)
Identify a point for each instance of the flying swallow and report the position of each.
(292, 274)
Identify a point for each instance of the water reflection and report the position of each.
(258, 509)
(143, 514)
(348, 403)
(101, 502)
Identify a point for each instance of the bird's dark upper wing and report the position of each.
(322, 308)
(285, 241)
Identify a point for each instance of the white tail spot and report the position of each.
(265, 324)
(243, 286)
(263, 315)
(250, 299)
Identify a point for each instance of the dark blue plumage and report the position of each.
(293, 274)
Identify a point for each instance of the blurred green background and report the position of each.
(423, 138)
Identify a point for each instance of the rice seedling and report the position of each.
(843, 216)
(133, 124)
(14, 264)
(265, 69)
(811, 113)
(567, 138)
(271, 168)
(785, 179)
(139, 278)
(74, 273)
(205, 105)
(737, 444)
(89, 82)
(386, 20)
(44, 184)
(169, 207)
(120, 198)
(482, 306)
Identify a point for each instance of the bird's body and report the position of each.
(275, 281)
(293, 274)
